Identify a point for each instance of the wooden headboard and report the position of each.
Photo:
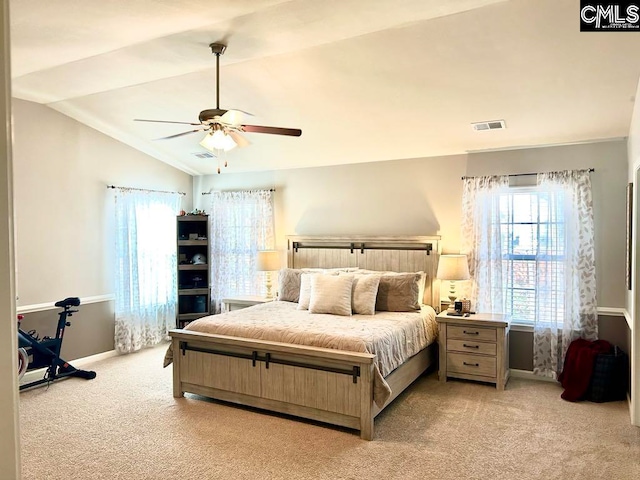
(395, 254)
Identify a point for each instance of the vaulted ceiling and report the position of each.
(365, 80)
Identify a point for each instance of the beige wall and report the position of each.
(399, 197)
(63, 209)
(9, 426)
(424, 197)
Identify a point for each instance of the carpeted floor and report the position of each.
(125, 424)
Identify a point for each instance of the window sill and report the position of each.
(521, 327)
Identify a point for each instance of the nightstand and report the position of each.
(242, 301)
(474, 347)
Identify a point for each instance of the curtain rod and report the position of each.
(269, 190)
(527, 174)
(143, 190)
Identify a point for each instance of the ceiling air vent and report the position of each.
(492, 125)
(203, 155)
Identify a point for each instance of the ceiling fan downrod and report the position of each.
(217, 49)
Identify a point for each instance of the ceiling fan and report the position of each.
(223, 127)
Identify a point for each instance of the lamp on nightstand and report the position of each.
(268, 261)
(453, 268)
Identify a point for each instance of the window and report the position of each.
(532, 255)
(241, 224)
(532, 230)
(145, 267)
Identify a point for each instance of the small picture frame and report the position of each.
(193, 236)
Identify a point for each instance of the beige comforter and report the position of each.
(393, 337)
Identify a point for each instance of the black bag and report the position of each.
(610, 377)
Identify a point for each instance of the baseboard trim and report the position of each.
(41, 307)
(79, 363)
(528, 374)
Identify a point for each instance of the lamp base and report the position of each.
(268, 285)
(452, 300)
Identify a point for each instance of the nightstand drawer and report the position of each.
(471, 333)
(469, 346)
(471, 364)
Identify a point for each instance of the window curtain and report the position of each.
(145, 273)
(560, 319)
(241, 224)
(482, 240)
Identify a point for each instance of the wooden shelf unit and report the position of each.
(194, 281)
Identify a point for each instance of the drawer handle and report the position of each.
(470, 346)
(471, 364)
(470, 333)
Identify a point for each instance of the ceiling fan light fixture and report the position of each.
(218, 140)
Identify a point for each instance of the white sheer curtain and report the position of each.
(145, 270)
(568, 249)
(241, 224)
(482, 240)
(531, 255)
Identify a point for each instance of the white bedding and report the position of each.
(393, 337)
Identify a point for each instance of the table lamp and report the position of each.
(268, 261)
(453, 268)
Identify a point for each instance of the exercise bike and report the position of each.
(34, 353)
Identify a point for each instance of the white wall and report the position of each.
(63, 212)
(424, 197)
(9, 426)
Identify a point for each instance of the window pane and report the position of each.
(532, 229)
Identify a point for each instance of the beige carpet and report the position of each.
(125, 424)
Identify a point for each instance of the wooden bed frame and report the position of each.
(327, 385)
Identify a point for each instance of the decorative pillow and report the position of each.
(305, 290)
(305, 286)
(364, 294)
(422, 283)
(398, 292)
(331, 294)
(289, 284)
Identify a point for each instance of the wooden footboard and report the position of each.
(331, 386)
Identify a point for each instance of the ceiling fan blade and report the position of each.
(181, 134)
(241, 111)
(293, 132)
(163, 121)
(239, 139)
(233, 117)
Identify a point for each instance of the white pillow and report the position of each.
(305, 286)
(364, 293)
(305, 290)
(331, 294)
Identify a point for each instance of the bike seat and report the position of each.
(68, 302)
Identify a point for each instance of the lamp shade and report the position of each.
(453, 267)
(268, 260)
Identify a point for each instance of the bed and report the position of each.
(277, 357)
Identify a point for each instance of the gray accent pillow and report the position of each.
(289, 284)
(398, 292)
